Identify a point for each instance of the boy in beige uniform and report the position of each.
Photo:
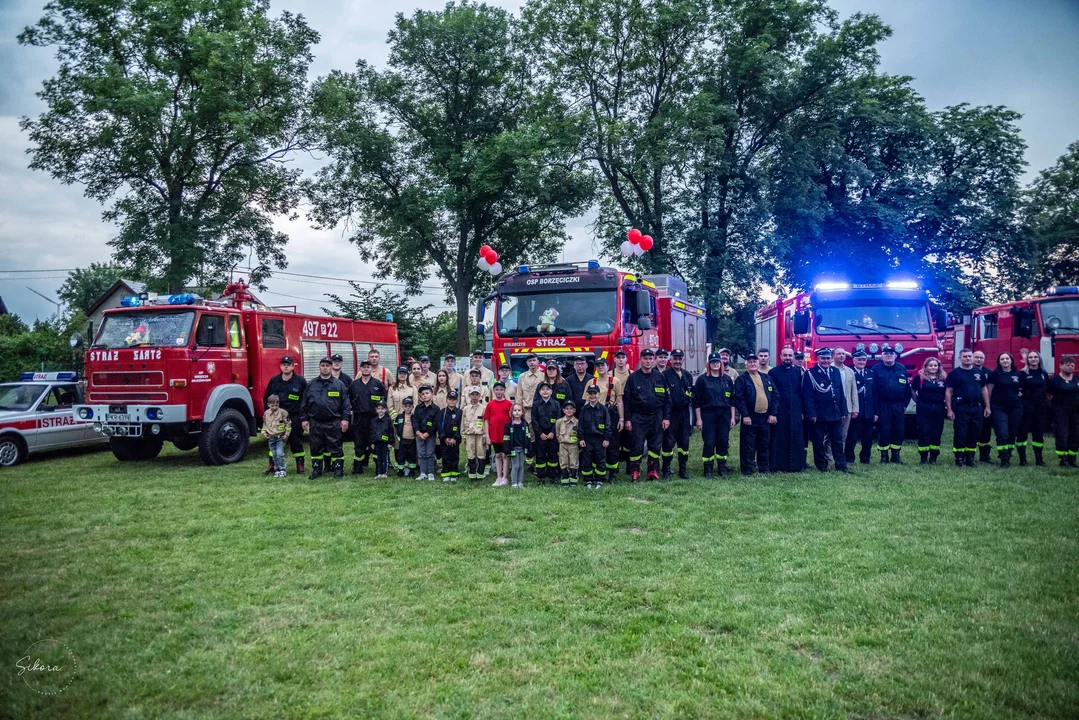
(527, 384)
(568, 449)
(474, 432)
(610, 394)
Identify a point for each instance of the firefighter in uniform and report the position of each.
(325, 411)
(648, 413)
(365, 394)
(713, 402)
(1063, 388)
(289, 387)
(594, 436)
(338, 361)
(891, 391)
(610, 394)
(676, 438)
(861, 427)
(967, 399)
(621, 373)
(824, 406)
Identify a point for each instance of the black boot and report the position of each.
(708, 470)
(960, 459)
(573, 475)
(933, 455)
(316, 470)
(971, 462)
(339, 468)
(682, 472)
(896, 460)
(1064, 461)
(924, 455)
(1022, 456)
(299, 466)
(357, 468)
(723, 469)
(883, 457)
(1038, 459)
(984, 454)
(1005, 459)
(666, 472)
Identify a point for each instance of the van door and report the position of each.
(212, 361)
(238, 351)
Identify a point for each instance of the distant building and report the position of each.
(3, 307)
(111, 299)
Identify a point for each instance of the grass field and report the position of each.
(196, 592)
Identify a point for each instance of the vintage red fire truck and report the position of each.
(1048, 324)
(856, 317)
(588, 310)
(193, 371)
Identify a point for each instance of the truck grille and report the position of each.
(154, 378)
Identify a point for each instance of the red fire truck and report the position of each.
(1048, 324)
(592, 311)
(856, 317)
(193, 371)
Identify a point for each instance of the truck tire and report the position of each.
(12, 450)
(137, 449)
(224, 441)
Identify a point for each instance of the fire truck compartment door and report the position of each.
(224, 393)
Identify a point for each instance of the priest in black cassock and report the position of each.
(788, 447)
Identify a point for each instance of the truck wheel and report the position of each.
(224, 441)
(12, 450)
(128, 449)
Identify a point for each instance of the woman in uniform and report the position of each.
(1005, 406)
(560, 391)
(1032, 384)
(928, 388)
(1063, 389)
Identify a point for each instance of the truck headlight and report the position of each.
(86, 413)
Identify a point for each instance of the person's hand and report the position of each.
(606, 443)
(344, 426)
(987, 412)
(853, 416)
(629, 425)
(620, 424)
(876, 418)
(772, 420)
(700, 425)
(951, 415)
(733, 423)
(581, 443)
(285, 436)
(666, 424)
(747, 420)
(306, 425)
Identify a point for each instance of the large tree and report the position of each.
(183, 113)
(452, 147)
(1052, 216)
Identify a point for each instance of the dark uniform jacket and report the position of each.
(930, 392)
(366, 395)
(346, 379)
(577, 388)
(863, 380)
(382, 430)
(713, 393)
(680, 389)
(822, 394)
(560, 393)
(545, 415)
(745, 394)
(594, 422)
(517, 435)
(646, 394)
(326, 400)
(890, 384)
(424, 417)
(289, 391)
(449, 423)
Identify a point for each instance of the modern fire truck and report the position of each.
(193, 371)
(856, 317)
(584, 309)
(1048, 324)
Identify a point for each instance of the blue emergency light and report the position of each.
(1064, 290)
(183, 299)
(523, 269)
(593, 264)
(832, 286)
(901, 285)
(131, 301)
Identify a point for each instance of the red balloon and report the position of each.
(492, 257)
(647, 242)
(484, 250)
(634, 236)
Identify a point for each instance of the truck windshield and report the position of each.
(1061, 316)
(872, 320)
(562, 313)
(145, 329)
(19, 397)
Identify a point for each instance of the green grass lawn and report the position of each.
(196, 592)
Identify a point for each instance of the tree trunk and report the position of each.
(464, 321)
(176, 271)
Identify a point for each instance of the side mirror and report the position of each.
(1024, 323)
(75, 340)
(801, 322)
(644, 305)
(644, 323)
(940, 319)
(480, 330)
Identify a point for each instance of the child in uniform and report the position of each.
(276, 426)
(566, 431)
(382, 435)
(595, 436)
(423, 422)
(516, 441)
(406, 439)
(545, 414)
(474, 432)
(449, 433)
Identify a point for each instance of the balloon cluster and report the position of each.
(489, 261)
(636, 243)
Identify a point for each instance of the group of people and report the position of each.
(581, 426)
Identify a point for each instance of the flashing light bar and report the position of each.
(154, 299)
(1063, 290)
(832, 286)
(593, 264)
(523, 269)
(64, 375)
(901, 285)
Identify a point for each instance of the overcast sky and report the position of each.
(1018, 53)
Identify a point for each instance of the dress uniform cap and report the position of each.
(859, 354)
(824, 353)
(799, 355)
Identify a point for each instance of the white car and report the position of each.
(36, 415)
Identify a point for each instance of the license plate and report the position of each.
(117, 417)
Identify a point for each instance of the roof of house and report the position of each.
(132, 287)
(3, 307)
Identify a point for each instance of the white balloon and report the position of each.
(627, 248)
(483, 264)
(496, 269)
(638, 250)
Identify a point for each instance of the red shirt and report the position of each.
(497, 415)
